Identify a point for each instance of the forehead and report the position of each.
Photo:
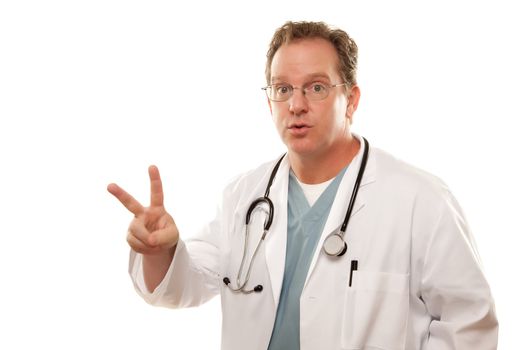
(305, 58)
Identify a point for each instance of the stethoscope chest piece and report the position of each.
(335, 245)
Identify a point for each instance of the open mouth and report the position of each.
(298, 129)
(298, 126)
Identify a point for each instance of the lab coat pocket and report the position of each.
(376, 311)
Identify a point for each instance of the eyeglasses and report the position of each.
(313, 92)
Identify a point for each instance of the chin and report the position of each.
(301, 148)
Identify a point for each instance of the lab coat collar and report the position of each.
(342, 199)
(276, 239)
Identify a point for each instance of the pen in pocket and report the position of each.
(353, 267)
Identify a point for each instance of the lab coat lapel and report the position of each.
(341, 201)
(275, 250)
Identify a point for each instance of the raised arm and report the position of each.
(152, 232)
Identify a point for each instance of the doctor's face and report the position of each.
(311, 127)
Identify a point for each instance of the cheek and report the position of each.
(278, 114)
(275, 118)
(341, 105)
(341, 110)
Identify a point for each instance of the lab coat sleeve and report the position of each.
(192, 277)
(453, 286)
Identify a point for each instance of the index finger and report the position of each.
(126, 199)
(157, 194)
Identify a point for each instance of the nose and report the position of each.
(298, 104)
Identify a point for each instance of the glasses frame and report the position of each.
(268, 88)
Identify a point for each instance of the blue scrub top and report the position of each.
(305, 225)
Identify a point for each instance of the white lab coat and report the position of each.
(419, 284)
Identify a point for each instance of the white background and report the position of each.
(92, 92)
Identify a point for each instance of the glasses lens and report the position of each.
(316, 92)
(280, 92)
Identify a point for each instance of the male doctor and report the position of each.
(407, 275)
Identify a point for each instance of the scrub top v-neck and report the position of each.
(305, 224)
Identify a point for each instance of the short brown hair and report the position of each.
(344, 45)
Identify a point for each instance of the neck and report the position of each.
(318, 168)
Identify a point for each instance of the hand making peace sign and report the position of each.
(152, 231)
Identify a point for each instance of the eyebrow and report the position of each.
(308, 77)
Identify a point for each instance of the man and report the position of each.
(403, 272)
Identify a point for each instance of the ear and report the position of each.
(352, 101)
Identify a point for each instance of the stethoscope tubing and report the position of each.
(337, 251)
(362, 167)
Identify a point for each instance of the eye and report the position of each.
(282, 89)
(317, 88)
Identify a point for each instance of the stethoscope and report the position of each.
(334, 245)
